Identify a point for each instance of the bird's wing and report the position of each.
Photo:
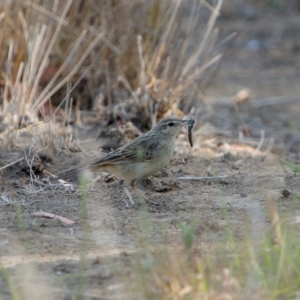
(140, 149)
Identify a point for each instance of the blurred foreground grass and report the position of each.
(129, 60)
(268, 268)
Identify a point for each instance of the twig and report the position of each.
(226, 40)
(270, 146)
(238, 113)
(143, 76)
(29, 164)
(6, 197)
(142, 62)
(275, 100)
(76, 84)
(48, 13)
(273, 209)
(128, 87)
(45, 59)
(49, 215)
(46, 94)
(54, 176)
(12, 163)
(93, 296)
(205, 178)
(262, 134)
(18, 160)
(210, 25)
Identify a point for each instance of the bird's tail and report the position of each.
(65, 174)
(80, 173)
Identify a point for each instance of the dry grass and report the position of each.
(105, 62)
(268, 269)
(118, 60)
(37, 59)
(130, 51)
(180, 274)
(127, 61)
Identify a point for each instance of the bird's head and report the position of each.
(170, 127)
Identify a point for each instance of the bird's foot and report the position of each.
(152, 203)
(132, 203)
(147, 200)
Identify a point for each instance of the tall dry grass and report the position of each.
(108, 51)
(101, 62)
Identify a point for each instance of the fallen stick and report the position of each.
(12, 163)
(205, 178)
(52, 216)
(275, 100)
(18, 160)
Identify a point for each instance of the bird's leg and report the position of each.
(129, 197)
(141, 194)
(120, 183)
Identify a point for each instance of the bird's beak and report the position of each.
(184, 122)
(183, 125)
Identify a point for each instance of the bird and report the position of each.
(142, 157)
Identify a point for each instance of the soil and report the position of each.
(263, 58)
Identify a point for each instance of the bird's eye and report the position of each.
(171, 124)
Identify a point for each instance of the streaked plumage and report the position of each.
(143, 156)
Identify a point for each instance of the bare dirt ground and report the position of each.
(265, 57)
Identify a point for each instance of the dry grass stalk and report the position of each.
(150, 66)
(179, 274)
(31, 39)
(87, 54)
(272, 206)
(50, 41)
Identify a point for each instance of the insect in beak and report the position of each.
(190, 122)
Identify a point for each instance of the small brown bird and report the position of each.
(142, 157)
